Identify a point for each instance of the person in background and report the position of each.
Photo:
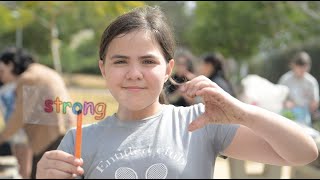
(5, 147)
(184, 71)
(303, 98)
(18, 144)
(33, 81)
(212, 66)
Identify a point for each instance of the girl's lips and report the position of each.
(134, 88)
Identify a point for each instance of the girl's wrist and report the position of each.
(243, 114)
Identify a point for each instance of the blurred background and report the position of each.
(255, 38)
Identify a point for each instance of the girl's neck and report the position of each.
(126, 114)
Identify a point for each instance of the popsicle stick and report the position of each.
(77, 147)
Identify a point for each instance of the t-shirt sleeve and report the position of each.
(67, 143)
(315, 90)
(220, 135)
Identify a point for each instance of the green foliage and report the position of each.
(82, 60)
(11, 19)
(237, 29)
(38, 19)
(179, 18)
(6, 20)
(232, 28)
(242, 29)
(288, 114)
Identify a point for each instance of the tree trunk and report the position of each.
(55, 45)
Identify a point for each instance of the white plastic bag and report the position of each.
(263, 93)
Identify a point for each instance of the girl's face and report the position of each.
(135, 70)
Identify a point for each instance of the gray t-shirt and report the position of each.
(159, 146)
(302, 91)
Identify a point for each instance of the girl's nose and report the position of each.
(134, 73)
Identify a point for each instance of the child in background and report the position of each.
(303, 98)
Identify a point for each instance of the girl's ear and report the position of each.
(170, 66)
(102, 70)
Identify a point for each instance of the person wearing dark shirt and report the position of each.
(183, 72)
(213, 68)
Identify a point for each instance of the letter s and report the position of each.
(48, 106)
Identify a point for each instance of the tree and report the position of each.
(55, 22)
(179, 16)
(233, 28)
(242, 29)
(12, 17)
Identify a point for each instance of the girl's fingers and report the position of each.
(207, 91)
(188, 84)
(198, 86)
(58, 174)
(63, 156)
(191, 87)
(64, 167)
(59, 164)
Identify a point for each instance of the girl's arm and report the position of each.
(269, 138)
(263, 136)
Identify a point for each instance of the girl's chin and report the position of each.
(136, 106)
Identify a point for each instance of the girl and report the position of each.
(148, 139)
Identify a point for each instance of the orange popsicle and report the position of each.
(77, 147)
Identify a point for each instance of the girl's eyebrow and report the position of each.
(149, 56)
(117, 56)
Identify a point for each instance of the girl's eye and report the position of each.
(120, 62)
(148, 61)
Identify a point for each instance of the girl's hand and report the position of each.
(58, 164)
(220, 107)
